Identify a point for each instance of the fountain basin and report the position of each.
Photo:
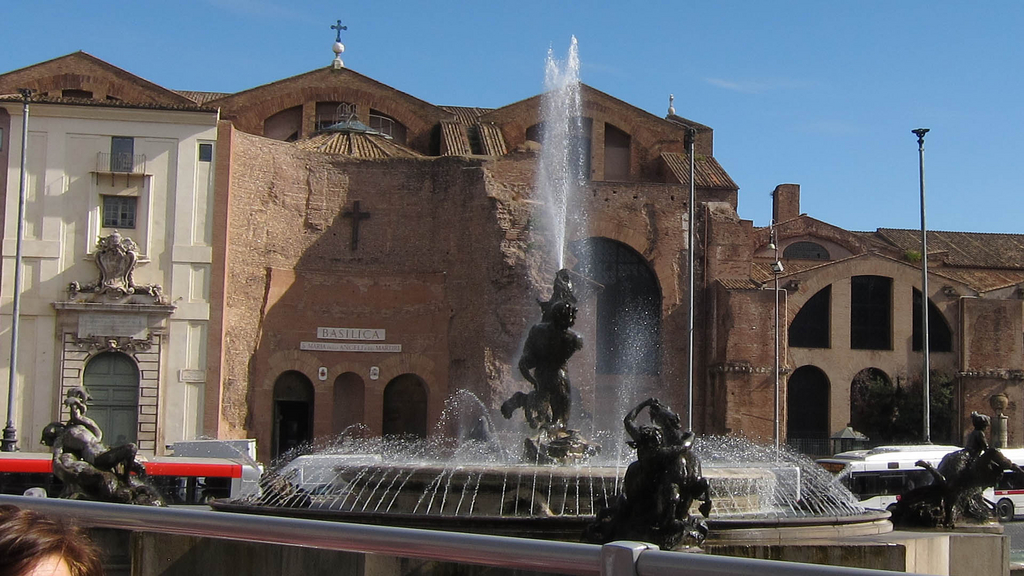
(763, 503)
(760, 530)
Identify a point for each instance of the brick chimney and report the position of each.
(785, 202)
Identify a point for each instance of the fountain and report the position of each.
(477, 474)
(467, 476)
(563, 157)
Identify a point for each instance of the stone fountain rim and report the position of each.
(737, 522)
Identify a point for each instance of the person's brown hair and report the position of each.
(26, 537)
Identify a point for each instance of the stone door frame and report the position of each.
(147, 352)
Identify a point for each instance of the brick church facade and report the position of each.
(373, 253)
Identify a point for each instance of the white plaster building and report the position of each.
(111, 157)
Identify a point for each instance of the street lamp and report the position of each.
(691, 136)
(10, 438)
(776, 270)
(920, 132)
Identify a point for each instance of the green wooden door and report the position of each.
(112, 379)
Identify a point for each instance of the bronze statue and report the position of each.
(957, 484)
(549, 346)
(659, 487)
(90, 470)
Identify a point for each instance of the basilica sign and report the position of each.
(350, 333)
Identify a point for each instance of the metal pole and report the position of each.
(10, 439)
(920, 132)
(691, 135)
(775, 271)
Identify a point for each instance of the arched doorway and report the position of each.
(628, 307)
(293, 412)
(873, 404)
(348, 402)
(112, 380)
(405, 407)
(807, 410)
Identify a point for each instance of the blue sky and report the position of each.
(823, 94)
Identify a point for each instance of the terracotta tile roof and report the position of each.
(106, 103)
(466, 114)
(453, 139)
(963, 249)
(202, 97)
(982, 280)
(492, 140)
(61, 67)
(762, 271)
(357, 145)
(707, 171)
(483, 139)
(739, 284)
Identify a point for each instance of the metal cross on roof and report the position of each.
(339, 28)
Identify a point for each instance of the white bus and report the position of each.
(1009, 491)
(879, 475)
(198, 472)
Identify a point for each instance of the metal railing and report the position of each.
(615, 559)
(121, 163)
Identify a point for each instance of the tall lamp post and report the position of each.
(920, 132)
(691, 135)
(10, 439)
(776, 270)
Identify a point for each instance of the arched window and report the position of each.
(807, 410)
(405, 407)
(812, 326)
(940, 337)
(112, 380)
(873, 404)
(293, 412)
(285, 125)
(385, 124)
(628, 306)
(806, 251)
(871, 313)
(349, 393)
(330, 113)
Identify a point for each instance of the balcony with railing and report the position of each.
(120, 163)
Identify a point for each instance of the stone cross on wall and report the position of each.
(339, 28)
(356, 215)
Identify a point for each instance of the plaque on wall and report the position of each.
(349, 347)
(193, 376)
(132, 325)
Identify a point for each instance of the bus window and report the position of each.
(1010, 481)
(870, 484)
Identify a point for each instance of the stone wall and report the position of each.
(451, 261)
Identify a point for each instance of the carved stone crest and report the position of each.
(116, 257)
(114, 344)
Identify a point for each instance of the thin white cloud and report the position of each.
(601, 68)
(832, 128)
(747, 87)
(758, 86)
(257, 8)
